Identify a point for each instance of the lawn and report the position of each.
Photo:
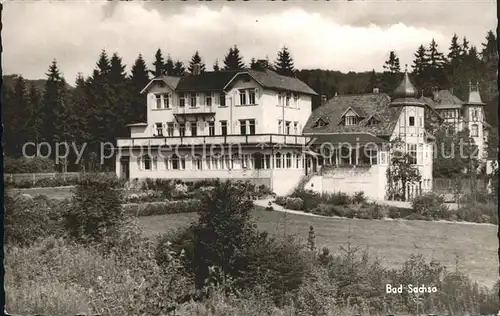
(473, 246)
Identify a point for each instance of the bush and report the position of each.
(359, 197)
(479, 213)
(294, 204)
(28, 165)
(162, 208)
(96, 208)
(430, 205)
(28, 219)
(328, 210)
(280, 200)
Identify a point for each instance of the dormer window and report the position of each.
(320, 123)
(353, 115)
(351, 120)
(372, 121)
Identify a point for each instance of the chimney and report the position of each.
(375, 90)
(262, 64)
(196, 69)
(323, 99)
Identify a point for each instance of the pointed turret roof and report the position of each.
(406, 93)
(474, 96)
(406, 89)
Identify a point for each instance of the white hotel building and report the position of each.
(228, 124)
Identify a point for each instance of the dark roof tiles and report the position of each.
(371, 104)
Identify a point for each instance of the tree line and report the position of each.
(99, 106)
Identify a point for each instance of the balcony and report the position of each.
(186, 110)
(259, 140)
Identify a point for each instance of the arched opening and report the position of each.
(258, 160)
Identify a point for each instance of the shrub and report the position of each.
(162, 208)
(479, 213)
(417, 216)
(28, 219)
(28, 165)
(280, 200)
(430, 205)
(96, 208)
(328, 210)
(359, 197)
(294, 204)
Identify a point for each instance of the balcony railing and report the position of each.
(262, 140)
(201, 109)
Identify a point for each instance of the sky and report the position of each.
(337, 35)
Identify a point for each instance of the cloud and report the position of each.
(75, 32)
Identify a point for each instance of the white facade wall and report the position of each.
(414, 135)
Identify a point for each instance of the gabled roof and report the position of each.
(357, 110)
(272, 80)
(206, 81)
(169, 80)
(444, 99)
(370, 103)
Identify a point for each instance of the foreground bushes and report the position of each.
(218, 266)
(162, 208)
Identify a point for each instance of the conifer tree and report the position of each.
(374, 82)
(284, 63)
(138, 80)
(35, 122)
(437, 77)
(103, 64)
(117, 73)
(391, 76)
(196, 59)
(233, 60)
(54, 127)
(169, 66)
(253, 64)
(216, 65)
(159, 65)
(20, 116)
(179, 68)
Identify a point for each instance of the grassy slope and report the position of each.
(392, 241)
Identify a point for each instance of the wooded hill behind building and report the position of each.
(98, 107)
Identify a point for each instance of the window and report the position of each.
(411, 121)
(450, 131)
(182, 130)
(208, 100)
(251, 96)
(278, 160)
(243, 127)
(295, 99)
(251, 126)
(222, 99)
(421, 122)
(223, 127)
(211, 128)
(288, 97)
(197, 162)
(182, 100)
(167, 163)
(474, 114)
(474, 132)
(166, 100)
(412, 152)
(372, 155)
(350, 120)
(159, 129)
(194, 128)
(288, 160)
(170, 129)
(287, 125)
(158, 101)
(193, 100)
(297, 161)
(320, 123)
(280, 123)
(178, 163)
(147, 162)
(243, 97)
(280, 99)
(296, 128)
